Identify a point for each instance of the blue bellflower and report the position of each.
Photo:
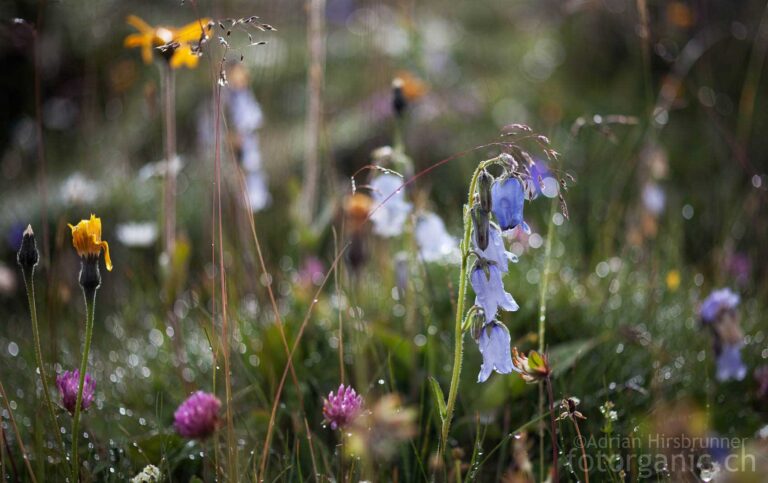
(508, 197)
(541, 181)
(496, 252)
(434, 241)
(723, 299)
(494, 342)
(389, 218)
(489, 291)
(729, 363)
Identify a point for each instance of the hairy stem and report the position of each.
(90, 302)
(29, 283)
(458, 352)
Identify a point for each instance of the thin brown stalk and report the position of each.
(169, 106)
(231, 455)
(315, 74)
(553, 434)
(273, 302)
(583, 451)
(754, 71)
(270, 427)
(24, 454)
(6, 448)
(42, 178)
(338, 297)
(311, 449)
(645, 46)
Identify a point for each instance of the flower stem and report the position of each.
(583, 451)
(29, 283)
(542, 321)
(169, 195)
(90, 302)
(553, 434)
(458, 352)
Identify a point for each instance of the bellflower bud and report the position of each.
(481, 222)
(484, 182)
(28, 255)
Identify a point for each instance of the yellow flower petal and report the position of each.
(139, 24)
(192, 32)
(86, 238)
(107, 259)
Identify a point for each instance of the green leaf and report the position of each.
(439, 397)
(535, 361)
(563, 356)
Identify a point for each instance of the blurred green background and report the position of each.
(657, 109)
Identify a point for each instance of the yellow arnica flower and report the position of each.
(673, 280)
(150, 37)
(86, 238)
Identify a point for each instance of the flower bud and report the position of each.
(399, 103)
(481, 223)
(484, 182)
(90, 277)
(28, 256)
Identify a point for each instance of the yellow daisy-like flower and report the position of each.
(673, 280)
(86, 238)
(150, 37)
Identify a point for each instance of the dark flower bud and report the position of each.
(90, 277)
(399, 103)
(28, 256)
(484, 182)
(481, 224)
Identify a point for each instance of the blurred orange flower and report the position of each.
(187, 37)
(413, 87)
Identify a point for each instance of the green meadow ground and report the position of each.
(682, 108)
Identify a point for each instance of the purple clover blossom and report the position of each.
(729, 363)
(343, 407)
(496, 252)
(312, 271)
(198, 416)
(508, 197)
(494, 343)
(723, 299)
(68, 383)
(489, 290)
(391, 212)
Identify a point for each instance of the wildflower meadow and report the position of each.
(370, 241)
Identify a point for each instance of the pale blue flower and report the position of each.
(389, 218)
(723, 299)
(494, 343)
(729, 363)
(496, 252)
(508, 198)
(434, 241)
(489, 291)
